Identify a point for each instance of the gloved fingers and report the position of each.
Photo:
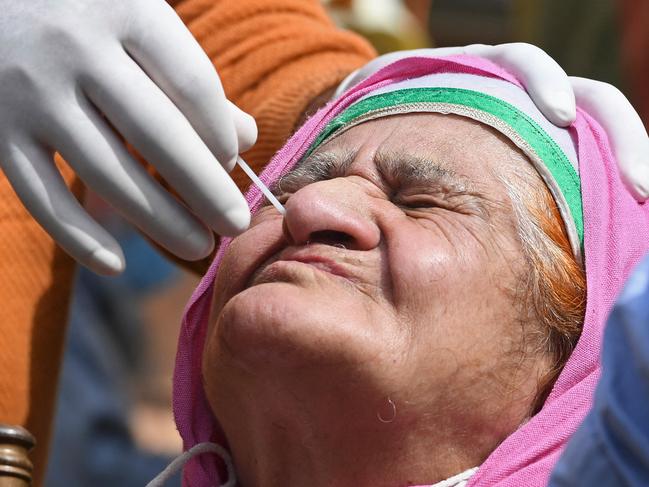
(147, 119)
(33, 175)
(626, 132)
(245, 126)
(101, 160)
(543, 78)
(166, 50)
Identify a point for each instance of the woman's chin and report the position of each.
(281, 324)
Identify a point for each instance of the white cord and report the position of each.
(459, 480)
(198, 449)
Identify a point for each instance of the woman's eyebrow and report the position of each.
(316, 167)
(401, 169)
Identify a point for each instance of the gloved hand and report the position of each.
(554, 94)
(77, 75)
(626, 132)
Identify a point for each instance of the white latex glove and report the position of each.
(554, 94)
(625, 130)
(75, 75)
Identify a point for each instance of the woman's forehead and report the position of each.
(416, 147)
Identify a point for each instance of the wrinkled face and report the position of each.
(394, 279)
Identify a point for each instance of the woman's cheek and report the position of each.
(244, 254)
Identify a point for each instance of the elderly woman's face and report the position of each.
(387, 297)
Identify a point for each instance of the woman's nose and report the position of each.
(333, 212)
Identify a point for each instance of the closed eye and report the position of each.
(466, 204)
(420, 201)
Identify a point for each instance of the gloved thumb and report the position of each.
(245, 126)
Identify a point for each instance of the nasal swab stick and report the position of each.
(251, 174)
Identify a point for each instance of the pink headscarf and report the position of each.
(616, 236)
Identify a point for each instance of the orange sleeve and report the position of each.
(274, 57)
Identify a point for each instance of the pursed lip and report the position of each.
(321, 258)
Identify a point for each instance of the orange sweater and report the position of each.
(274, 58)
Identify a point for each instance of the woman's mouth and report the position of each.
(290, 263)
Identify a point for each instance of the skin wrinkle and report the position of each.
(447, 343)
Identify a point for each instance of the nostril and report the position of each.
(332, 237)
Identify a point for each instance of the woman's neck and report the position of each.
(382, 444)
